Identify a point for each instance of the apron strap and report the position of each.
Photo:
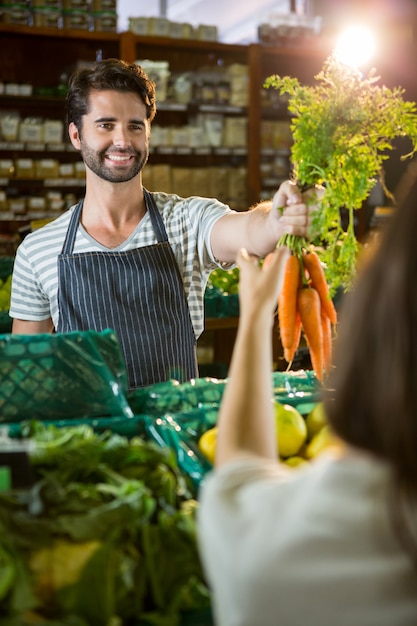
(68, 246)
(156, 218)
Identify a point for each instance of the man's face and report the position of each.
(114, 139)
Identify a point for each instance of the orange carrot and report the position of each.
(327, 339)
(314, 268)
(287, 302)
(289, 353)
(309, 308)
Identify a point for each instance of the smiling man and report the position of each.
(127, 259)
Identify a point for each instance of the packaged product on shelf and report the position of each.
(105, 21)
(213, 126)
(175, 30)
(46, 168)
(54, 201)
(6, 168)
(9, 125)
(158, 71)
(197, 136)
(207, 91)
(104, 5)
(16, 14)
(180, 136)
(181, 30)
(25, 89)
(235, 132)
(187, 30)
(25, 168)
(182, 88)
(76, 19)
(158, 26)
(238, 75)
(206, 32)
(47, 17)
(31, 130)
(139, 25)
(82, 5)
(223, 92)
(53, 131)
(17, 206)
(11, 89)
(66, 170)
(36, 204)
(161, 136)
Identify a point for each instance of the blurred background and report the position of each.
(239, 22)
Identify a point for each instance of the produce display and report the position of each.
(300, 438)
(105, 536)
(221, 295)
(102, 532)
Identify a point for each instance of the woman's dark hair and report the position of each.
(371, 400)
(111, 74)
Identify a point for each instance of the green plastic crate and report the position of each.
(62, 376)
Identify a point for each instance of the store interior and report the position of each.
(70, 517)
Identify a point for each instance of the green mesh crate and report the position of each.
(62, 376)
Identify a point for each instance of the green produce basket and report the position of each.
(218, 303)
(173, 397)
(62, 376)
(299, 388)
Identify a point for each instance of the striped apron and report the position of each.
(137, 293)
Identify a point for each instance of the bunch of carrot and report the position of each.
(305, 305)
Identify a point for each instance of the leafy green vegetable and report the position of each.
(343, 129)
(106, 535)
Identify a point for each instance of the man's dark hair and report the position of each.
(111, 74)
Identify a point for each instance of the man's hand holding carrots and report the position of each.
(293, 210)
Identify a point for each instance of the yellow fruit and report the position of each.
(295, 461)
(207, 444)
(4, 301)
(321, 442)
(60, 565)
(316, 420)
(291, 429)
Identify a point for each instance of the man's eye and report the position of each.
(106, 126)
(136, 127)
